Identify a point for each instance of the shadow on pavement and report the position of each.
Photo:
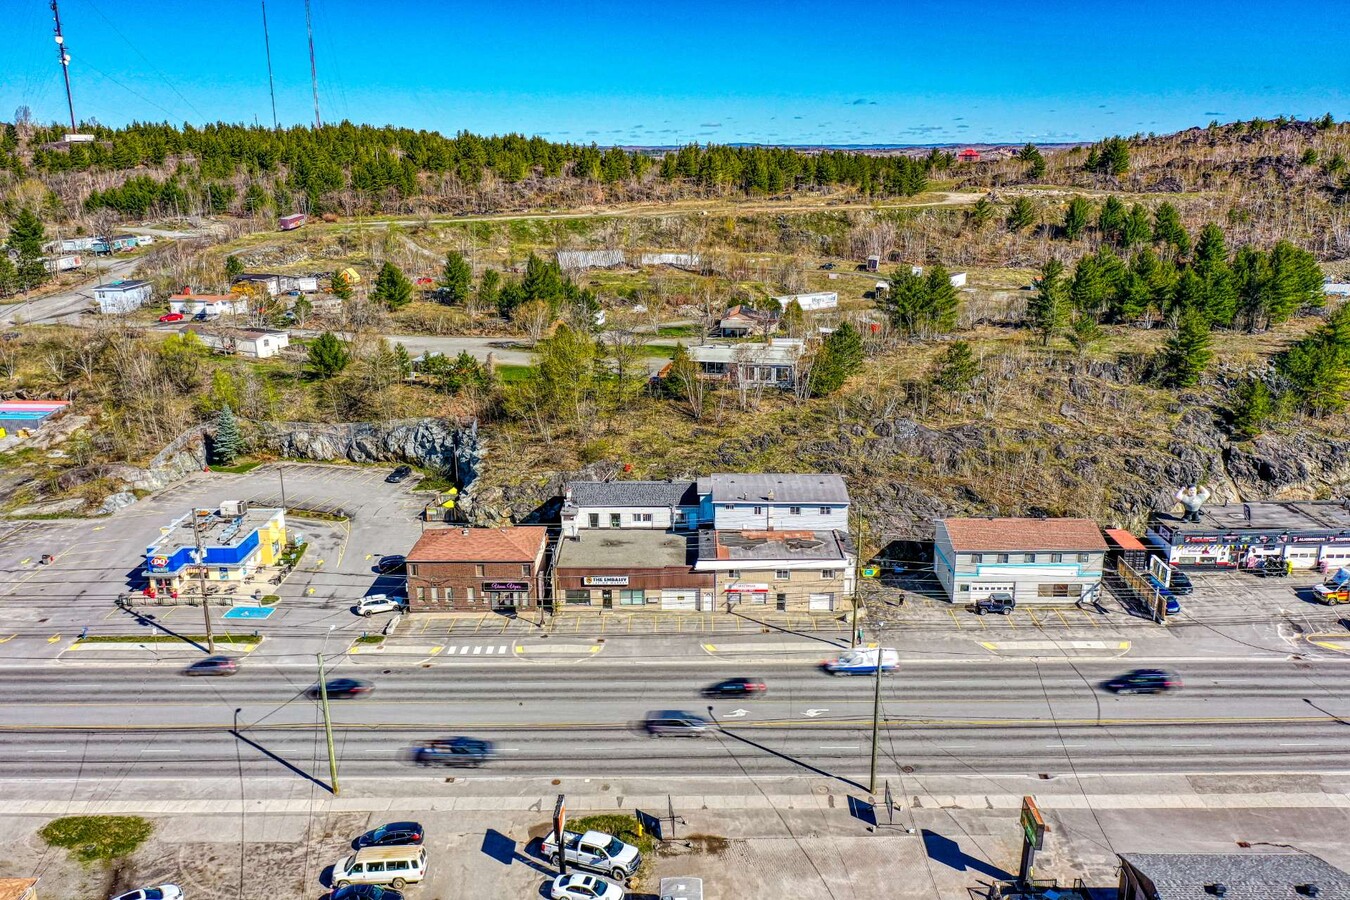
(949, 853)
(792, 759)
(152, 623)
(284, 762)
(832, 642)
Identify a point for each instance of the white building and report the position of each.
(774, 502)
(66, 262)
(190, 304)
(813, 301)
(256, 343)
(1036, 561)
(122, 296)
(773, 364)
(659, 505)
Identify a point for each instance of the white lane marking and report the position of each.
(839, 746)
(464, 649)
(46, 751)
(735, 714)
(1192, 745)
(812, 713)
(490, 650)
(157, 750)
(477, 650)
(1309, 744)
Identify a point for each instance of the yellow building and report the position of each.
(236, 542)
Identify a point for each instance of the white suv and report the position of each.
(378, 603)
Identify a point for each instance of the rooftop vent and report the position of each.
(1307, 890)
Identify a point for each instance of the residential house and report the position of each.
(123, 243)
(811, 571)
(264, 281)
(65, 262)
(122, 296)
(1036, 561)
(812, 301)
(80, 244)
(765, 365)
(970, 154)
(1253, 875)
(237, 540)
(654, 505)
(740, 321)
(255, 343)
(210, 305)
(774, 502)
(477, 568)
(275, 285)
(631, 570)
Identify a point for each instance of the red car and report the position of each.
(172, 317)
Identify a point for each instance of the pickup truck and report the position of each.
(596, 851)
(1331, 594)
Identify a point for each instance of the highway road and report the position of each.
(982, 718)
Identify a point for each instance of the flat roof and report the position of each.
(772, 546)
(216, 530)
(774, 487)
(123, 285)
(1264, 515)
(606, 548)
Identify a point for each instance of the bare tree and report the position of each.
(534, 318)
(624, 347)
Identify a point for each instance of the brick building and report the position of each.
(480, 569)
(631, 570)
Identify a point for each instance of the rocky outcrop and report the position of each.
(1290, 466)
(430, 443)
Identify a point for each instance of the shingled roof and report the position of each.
(519, 544)
(633, 493)
(977, 535)
(1247, 876)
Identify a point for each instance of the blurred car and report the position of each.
(1173, 605)
(1181, 583)
(365, 892)
(395, 834)
(163, 892)
(454, 751)
(735, 687)
(213, 665)
(342, 688)
(172, 317)
(674, 722)
(378, 603)
(579, 886)
(399, 474)
(392, 563)
(1144, 681)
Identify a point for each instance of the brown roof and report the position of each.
(16, 888)
(1024, 534)
(519, 544)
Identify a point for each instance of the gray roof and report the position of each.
(1248, 876)
(1282, 515)
(133, 284)
(772, 546)
(633, 493)
(816, 488)
(614, 548)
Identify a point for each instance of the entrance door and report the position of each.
(606, 599)
(820, 602)
(679, 599)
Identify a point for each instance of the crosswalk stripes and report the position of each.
(480, 650)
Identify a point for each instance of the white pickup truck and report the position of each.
(596, 851)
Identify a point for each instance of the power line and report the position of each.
(267, 47)
(137, 50)
(63, 55)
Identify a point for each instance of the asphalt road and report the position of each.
(991, 718)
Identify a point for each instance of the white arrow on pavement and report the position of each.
(734, 714)
(812, 713)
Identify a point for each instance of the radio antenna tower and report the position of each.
(64, 56)
(313, 72)
(267, 46)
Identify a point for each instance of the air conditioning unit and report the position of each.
(233, 507)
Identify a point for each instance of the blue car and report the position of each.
(1173, 605)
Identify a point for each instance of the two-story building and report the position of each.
(465, 569)
(236, 542)
(629, 570)
(1036, 561)
(659, 505)
(773, 502)
(811, 571)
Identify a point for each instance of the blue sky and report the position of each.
(647, 73)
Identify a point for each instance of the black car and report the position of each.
(1180, 583)
(455, 751)
(213, 665)
(365, 892)
(827, 265)
(399, 474)
(342, 688)
(1144, 681)
(674, 722)
(395, 562)
(735, 687)
(395, 834)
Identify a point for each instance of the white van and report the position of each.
(394, 866)
(863, 662)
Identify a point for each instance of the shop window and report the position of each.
(1059, 590)
(976, 559)
(782, 574)
(1057, 557)
(1028, 557)
(577, 596)
(594, 519)
(632, 598)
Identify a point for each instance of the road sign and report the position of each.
(1033, 826)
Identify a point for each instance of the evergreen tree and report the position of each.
(341, 287)
(1253, 406)
(1049, 308)
(981, 214)
(26, 236)
(907, 301)
(9, 276)
(1186, 354)
(328, 355)
(1317, 367)
(456, 279)
(1211, 264)
(840, 355)
(1022, 215)
(1111, 220)
(1137, 228)
(392, 287)
(228, 442)
(403, 360)
(1110, 157)
(1085, 334)
(1168, 230)
(943, 300)
(1030, 155)
(234, 267)
(1076, 217)
(489, 283)
(956, 369)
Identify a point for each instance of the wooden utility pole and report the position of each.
(876, 719)
(201, 580)
(328, 727)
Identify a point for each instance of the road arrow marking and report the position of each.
(53, 639)
(735, 714)
(812, 713)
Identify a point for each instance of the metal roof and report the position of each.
(1247, 876)
(773, 546)
(774, 488)
(627, 494)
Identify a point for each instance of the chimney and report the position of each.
(464, 531)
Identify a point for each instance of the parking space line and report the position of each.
(955, 620)
(1035, 622)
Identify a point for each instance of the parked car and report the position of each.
(1144, 681)
(454, 751)
(827, 266)
(1173, 605)
(365, 892)
(201, 316)
(395, 562)
(378, 603)
(394, 866)
(596, 851)
(399, 474)
(579, 886)
(395, 834)
(163, 892)
(661, 722)
(342, 688)
(1180, 583)
(172, 317)
(1000, 603)
(213, 665)
(736, 687)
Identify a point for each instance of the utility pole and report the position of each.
(313, 72)
(64, 57)
(328, 727)
(201, 579)
(267, 46)
(876, 720)
(282, 475)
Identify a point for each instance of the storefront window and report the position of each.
(632, 598)
(577, 597)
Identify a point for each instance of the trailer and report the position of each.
(291, 222)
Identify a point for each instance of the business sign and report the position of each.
(870, 571)
(159, 562)
(605, 580)
(1033, 826)
(745, 587)
(506, 586)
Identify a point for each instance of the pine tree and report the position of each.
(26, 236)
(793, 320)
(1030, 155)
(234, 267)
(943, 300)
(392, 287)
(489, 284)
(403, 360)
(328, 355)
(1317, 367)
(907, 301)
(1167, 229)
(840, 355)
(228, 442)
(981, 214)
(1085, 334)
(1136, 229)
(1211, 264)
(1186, 354)
(956, 369)
(1253, 406)
(1111, 220)
(1022, 215)
(9, 276)
(1076, 217)
(341, 287)
(1049, 308)
(456, 279)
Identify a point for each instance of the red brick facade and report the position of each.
(454, 569)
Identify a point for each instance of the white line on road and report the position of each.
(1310, 744)
(45, 751)
(155, 750)
(839, 746)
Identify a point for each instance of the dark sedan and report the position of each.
(455, 751)
(365, 892)
(399, 474)
(1144, 681)
(394, 562)
(213, 665)
(342, 689)
(395, 834)
(1180, 583)
(736, 687)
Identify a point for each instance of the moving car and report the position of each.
(365, 892)
(675, 722)
(863, 661)
(454, 751)
(395, 834)
(213, 665)
(163, 892)
(399, 474)
(172, 317)
(579, 886)
(596, 851)
(394, 866)
(342, 688)
(394, 562)
(1144, 681)
(378, 603)
(736, 687)
(1000, 603)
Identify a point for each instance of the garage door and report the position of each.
(679, 599)
(985, 588)
(820, 602)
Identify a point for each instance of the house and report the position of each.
(81, 245)
(123, 243)
(122, 296)
(774, 502)
(64, 263)
(18, 889)
(1037, 561)
(812, 301)
(1335, 288)
(631, 570)
(773, 364)
(1309, 534)
(477, 568)
(970, 154)
(275, 285)
(740, 321)
(810, 571)
(238, 540)
(266, 282)
(212, 305)
(957, 279)
(653, 505)
(255, 343)
(1293, 874)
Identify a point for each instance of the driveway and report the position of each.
(68, 306)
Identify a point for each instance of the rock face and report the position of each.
(114, 502)
(430, 443)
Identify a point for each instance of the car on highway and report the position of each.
(342, 689)
(1144, 681)
(213, 665)
(579, 886)
(863, 661)
(378, 603)
(399, 474)
(394, 562)
(453, 751)
(172, 317)
(365, 892)
(395, 834)
(676, 722)
(163, 892)
(736, 687)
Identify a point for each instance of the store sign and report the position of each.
(159, 562)
(1202, 539)
(605, 580)
(1033, 825)
(506, 586)
(747, 587)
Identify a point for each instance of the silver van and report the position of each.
(394, 866)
